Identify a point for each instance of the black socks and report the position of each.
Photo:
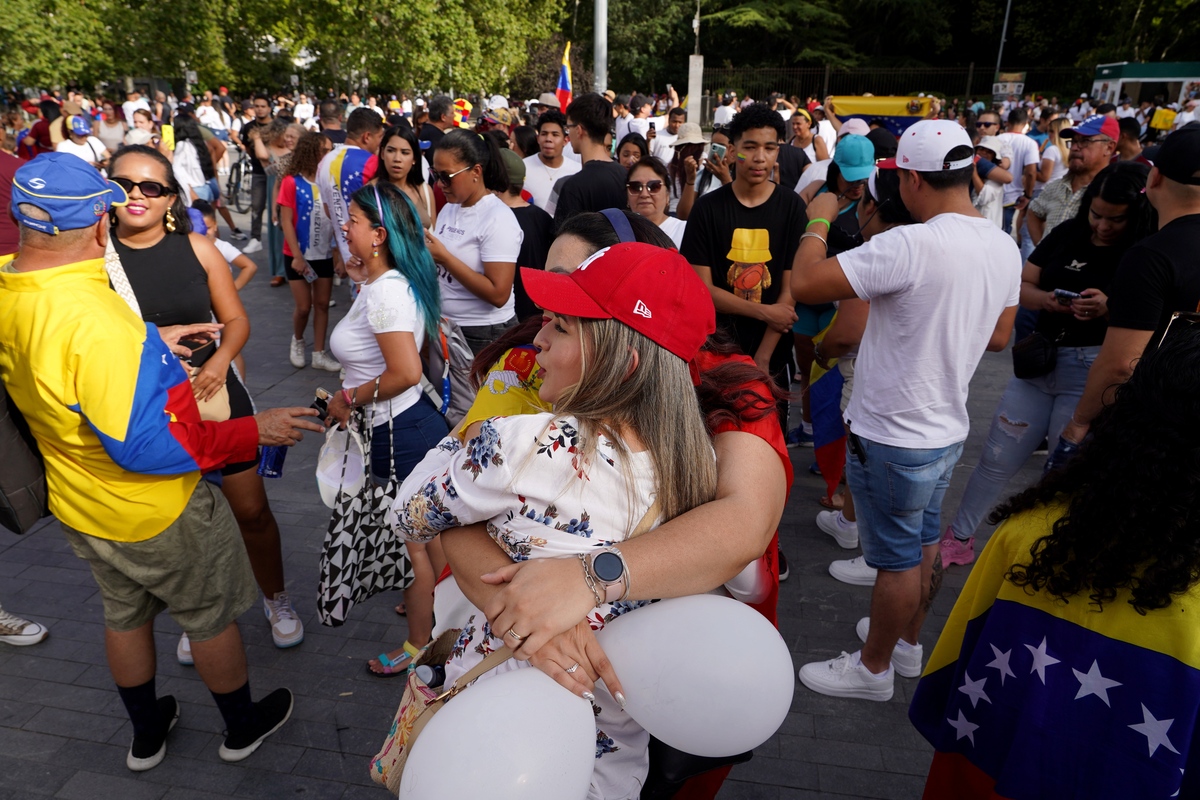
(237, 709)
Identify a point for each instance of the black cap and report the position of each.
(1179, 156)
(884, 142)
(185, 110)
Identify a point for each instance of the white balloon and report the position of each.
(705, 674)
(513, 736)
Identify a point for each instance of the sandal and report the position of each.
(836, 503)
(393, 668)
(402, 610)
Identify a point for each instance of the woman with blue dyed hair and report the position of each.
(379, 343)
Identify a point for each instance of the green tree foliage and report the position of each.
(53, 41)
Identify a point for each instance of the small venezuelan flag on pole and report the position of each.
(563, 91)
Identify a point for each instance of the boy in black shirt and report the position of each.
(741, 240)
(601, 182)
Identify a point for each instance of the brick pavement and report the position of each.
(64, 734)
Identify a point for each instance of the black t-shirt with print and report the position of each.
(747, 250)
(256, 166)
(600, 184)
(1070, 261)
(1158, 276)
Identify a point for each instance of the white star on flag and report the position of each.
(963, 727)
(1094, 683)
(1041, 659)
(1155, 731)
(1000, 662)
(974, 690)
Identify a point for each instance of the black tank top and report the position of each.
(170, 283)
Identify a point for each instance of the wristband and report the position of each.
(347, 398)
(815, 220)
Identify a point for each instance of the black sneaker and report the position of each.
(783, 565)
(238, 235)
(147, 752)
(273, 711)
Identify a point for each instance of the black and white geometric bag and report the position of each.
(361, 556)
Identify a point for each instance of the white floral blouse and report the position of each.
(523, 475)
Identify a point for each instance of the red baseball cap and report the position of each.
(652, 290)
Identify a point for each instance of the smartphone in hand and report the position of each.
(321, 403)
(1065, 297)
(718, 152)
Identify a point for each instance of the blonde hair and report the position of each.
(1054, 133)
(654, 400)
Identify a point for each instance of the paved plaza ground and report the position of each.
(64, 732)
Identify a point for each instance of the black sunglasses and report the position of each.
(986, 124)
(149, 189)
(444, 178)
(636, 187)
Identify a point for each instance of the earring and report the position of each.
(375, 253)
(170, 221)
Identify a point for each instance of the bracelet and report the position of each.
(815, 220)
(804, 236)
(354, 396)
(347, 398)
(591, 581)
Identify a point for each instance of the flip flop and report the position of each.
(398, 667)
(402, 610)
(836, 503)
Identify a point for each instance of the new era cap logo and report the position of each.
(641, 310)
(38, 183)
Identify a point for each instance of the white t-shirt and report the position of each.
(724, 115)
(406, 107)
(486, 232)
(540, 178)
(186, 166)
(90, 151)
(642, 126)
(227, 250)
(211, 118)
(1024, 151)
(130, 106)
(674, 227)
(826, 131)
(385, 305)
(1123, 112)
(662, 146)
(303, 112)
(1184, 117)
(819, 171)
(936, 292)
(1054, 156)
(622, 127)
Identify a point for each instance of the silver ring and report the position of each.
(571, 671)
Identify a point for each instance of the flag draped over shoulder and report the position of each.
(563, 90)
(1029, 697)
(824, 403)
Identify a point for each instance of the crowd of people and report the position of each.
(640, 294)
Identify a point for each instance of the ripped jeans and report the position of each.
(1029, 411)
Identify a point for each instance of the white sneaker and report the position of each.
(286, 628)
(183, 651)
(855, 571)
(253, 246)
(296, 353)
(845, 676)
(906, 659)
(322, 360)
(332, 302)
(19, 631)
(840, 528)
(337, 280)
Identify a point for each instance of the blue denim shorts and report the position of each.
(898, 500)
(415, 431)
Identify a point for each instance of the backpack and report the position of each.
(22, 473)
(447, 380)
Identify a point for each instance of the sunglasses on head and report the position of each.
(1189, 318)
(149, 189)
(444, 178)
(636, 187)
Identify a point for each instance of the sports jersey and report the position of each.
(340, 174)
(110, 406)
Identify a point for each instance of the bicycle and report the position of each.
(237, 186)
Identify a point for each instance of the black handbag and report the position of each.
(1034, 356)
(22, 474)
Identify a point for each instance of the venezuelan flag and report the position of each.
(563, 91)
(829, 434)
(1029, 697)
(897, 113)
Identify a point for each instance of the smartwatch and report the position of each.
(608, 567)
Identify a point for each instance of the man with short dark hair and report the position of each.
(621, 111)
(662, 145)
(441, 119)
(345, 169)
(111, 408)
(1129, 143)
(724, 113)
(258, 174)
(331, 121)
(600, 182)
(1024, 160)
(932, 317)
(549, 164)
(642, 108)
(1157, 277)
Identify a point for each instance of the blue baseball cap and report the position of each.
(80, 126)
(70, 190)
(855, 157)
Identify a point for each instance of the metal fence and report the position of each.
(968, 81)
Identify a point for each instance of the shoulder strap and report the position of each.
(118, 278)
(648, 519)
(491, 661)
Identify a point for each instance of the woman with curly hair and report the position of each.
(1070, 665)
